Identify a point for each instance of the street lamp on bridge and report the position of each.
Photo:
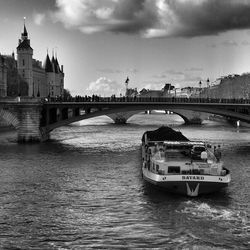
(126, 85)
(208, 87)
(200, 87)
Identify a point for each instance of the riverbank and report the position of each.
(235, 123)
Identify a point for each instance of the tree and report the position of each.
(66, 94)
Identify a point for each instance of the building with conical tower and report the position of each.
(42, 80)
(25, 61)
(54, 76)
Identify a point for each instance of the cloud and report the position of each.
(208, 17)
(154, 18)
(132, 71)
(153, 85)
(105, 87)
(193, 69)
(212, 45)
(173, 72)
(117, 16)
(229, 43)
(169, 73)
(110, 71)
(226, 43)
(191, 76)
(245, 43)
(118, 71)
(39, 18)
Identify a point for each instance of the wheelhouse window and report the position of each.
(174, 169)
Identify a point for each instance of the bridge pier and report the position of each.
(121, 117)
(118, 118)
(29, 129)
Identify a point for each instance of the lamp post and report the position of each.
(200, 87)
(126, 85)
(208, 87)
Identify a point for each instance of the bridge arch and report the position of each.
(186, 120)
(111, 113)
(226, 110)
(122, 117)
(188, 116)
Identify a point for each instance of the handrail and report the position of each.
(112, 100)
(148, 100)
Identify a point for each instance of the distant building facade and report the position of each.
(42, 80)
(131, 92)
(229, 87)
(166, 91)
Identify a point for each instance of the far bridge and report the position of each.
(34, 119)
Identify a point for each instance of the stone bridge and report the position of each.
(34, 119)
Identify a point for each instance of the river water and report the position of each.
(83, 190)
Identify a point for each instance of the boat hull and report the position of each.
(191, 185)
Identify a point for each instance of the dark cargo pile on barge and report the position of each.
(164, 133)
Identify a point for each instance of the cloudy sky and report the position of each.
(101, 42)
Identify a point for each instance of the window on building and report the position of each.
(23, 62)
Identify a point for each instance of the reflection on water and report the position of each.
(83, 189)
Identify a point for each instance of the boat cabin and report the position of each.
(177, 157)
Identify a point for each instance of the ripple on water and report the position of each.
(219, 218)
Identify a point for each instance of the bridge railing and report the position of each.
(146, 99)
(123, 99)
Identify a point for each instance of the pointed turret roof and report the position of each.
(48, 65)
(57, 65)
(24, 42)
(25, 33)
(53, 61)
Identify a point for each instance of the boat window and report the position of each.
(157, 168)
(174, 169)
(198, 149)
